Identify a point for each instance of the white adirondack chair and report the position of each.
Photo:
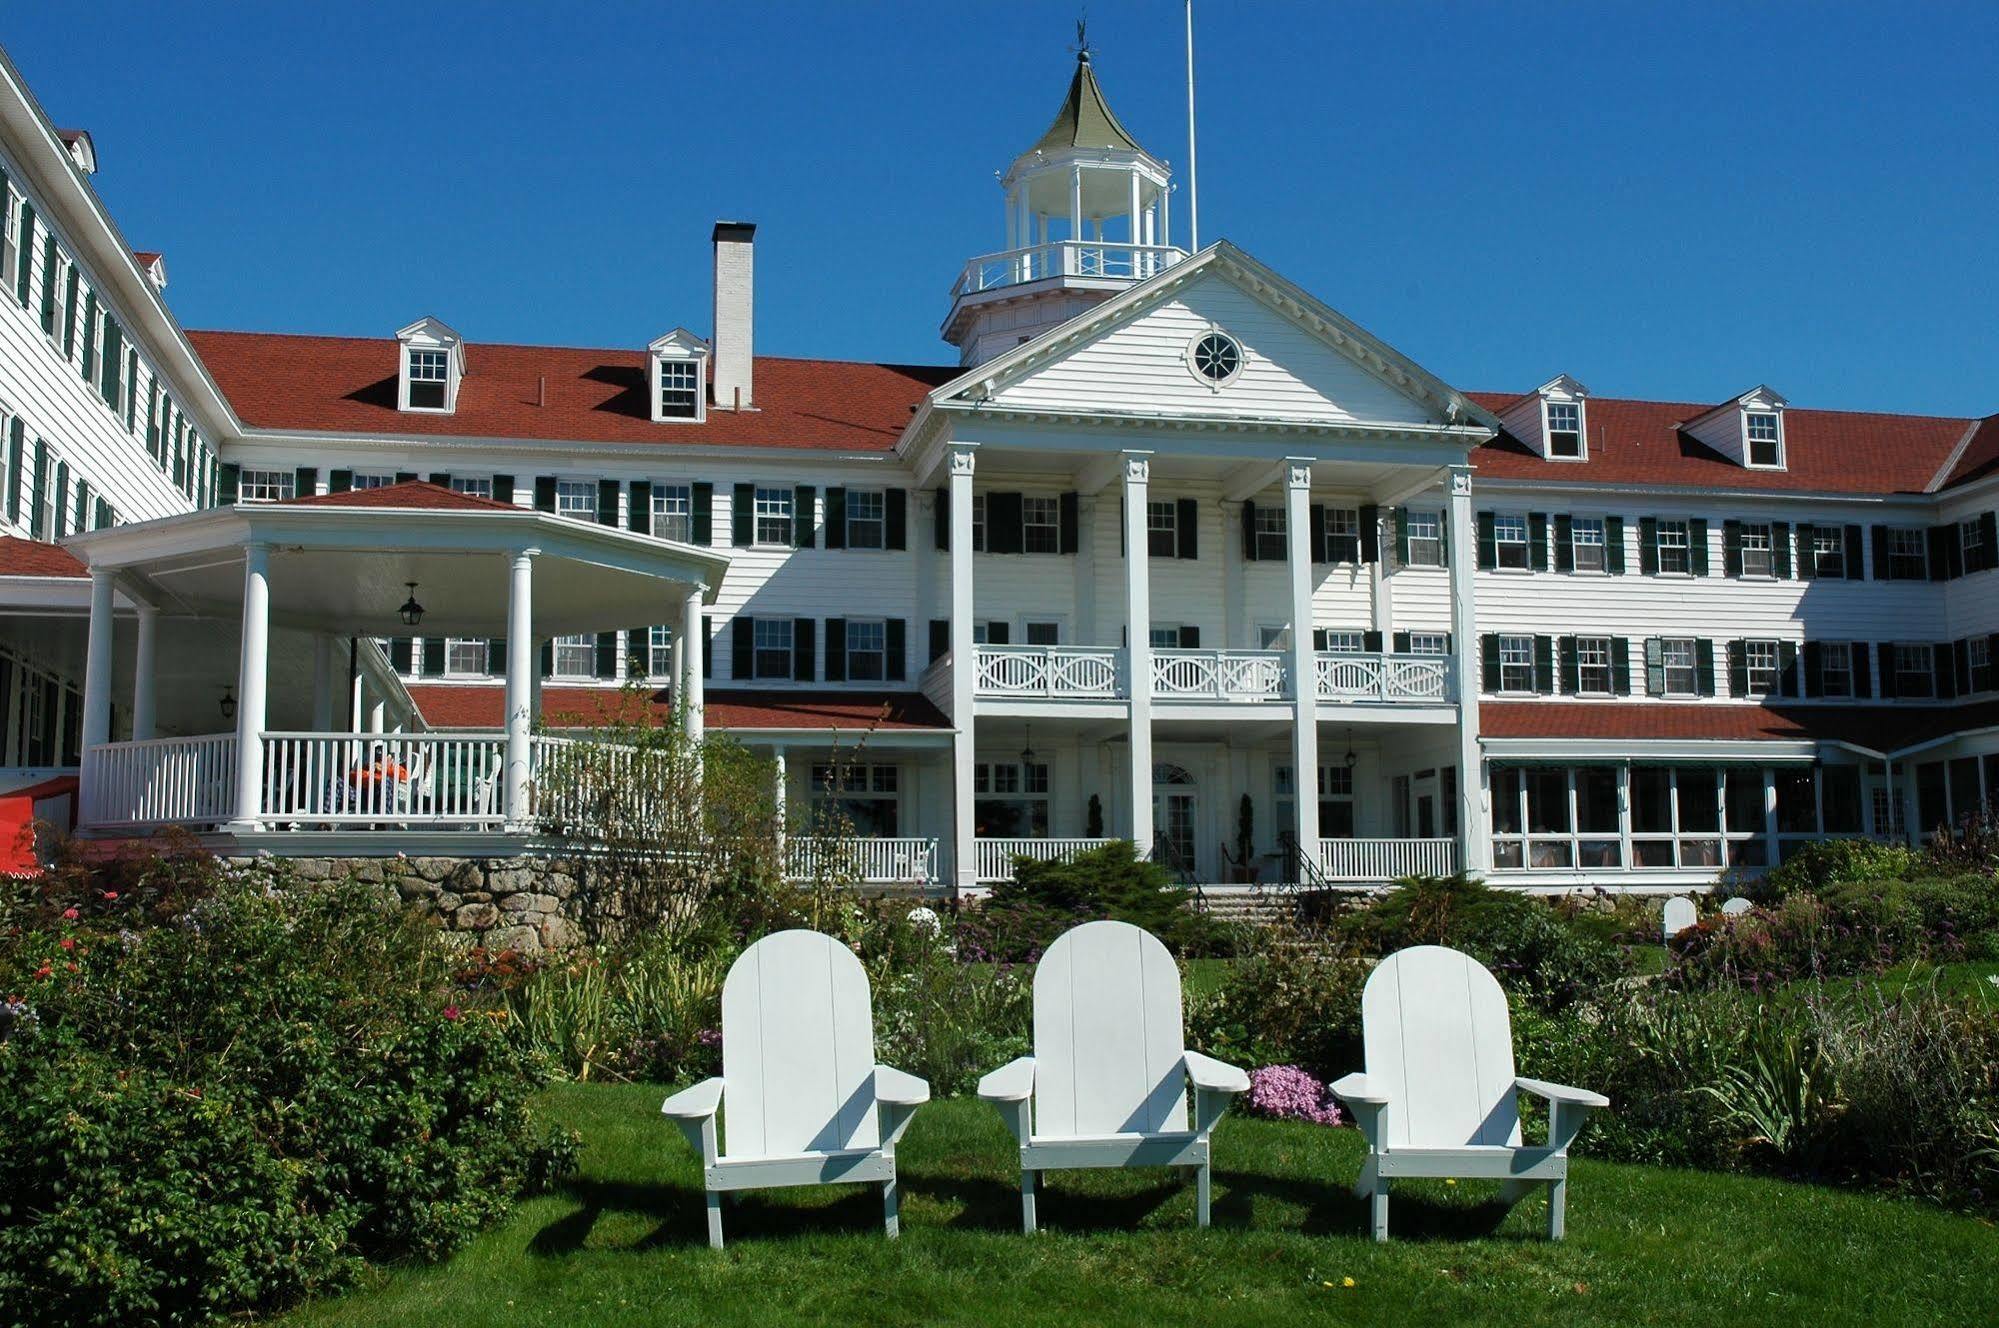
(1107, 1083)
(1439, 1094)
(805, 1102)
(1680, 915)
(1736, 907)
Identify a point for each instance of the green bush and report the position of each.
(1847, 927)
(231, 1110)
(1824, 862)
(1024, 915)
(1294, 1000)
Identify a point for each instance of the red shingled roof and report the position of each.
(483, 706)
(410, 494)
(1880, 728)
(1640, 442)
(26, 557)
(348, 384)
(1981, 455)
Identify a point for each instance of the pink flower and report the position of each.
(69, 915)
(1286, 1092)
(110, 894)
(68, 942)
(451, 1012)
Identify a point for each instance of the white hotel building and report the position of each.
(1169, 532)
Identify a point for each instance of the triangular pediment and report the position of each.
(1301, 362)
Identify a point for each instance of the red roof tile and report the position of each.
(348, 384)
(1640, 442)
(1980, 457)
(1880, 728)
(482, 706)
(26, 557)
(410, 494)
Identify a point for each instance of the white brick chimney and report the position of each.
(735, 313)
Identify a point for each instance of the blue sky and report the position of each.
(1676, 201)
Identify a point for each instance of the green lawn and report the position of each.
(625, 1245)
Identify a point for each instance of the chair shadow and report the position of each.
(1332, 1208)
(990, 1205)
(681, 1213)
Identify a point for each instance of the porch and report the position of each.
(1098, 673)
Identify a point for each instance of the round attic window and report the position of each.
(1215, 358)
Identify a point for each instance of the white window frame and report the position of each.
(1040, 523)
(454, 646)
(1432, 541)
(1342, 535)
(1765, 549)
(1679, 655)
(1752, 420)
(1762, 674)
(370, 480)
(1683, 531)
(867, 638)
(868, 532)
(1273, 636)
(1594, 676)
(568, 649)
(1970, 543)
(1843, 670)
(429, 366)
(1339, 642)
(1977, 656)
(1042, 625)
(1162, 519)
(1828, 541)
(1270, 531)
(473, 486)
(261, 486)
(1916, 548)
(764, 639)
(1551, 428)
(1516, 653)
(1429, 643)
(682, 378)
(1510, 545)
(1591, 533)
(1165, 636)
(666, 522)
(576, 499)
(659, 651)
(1904, 651)
(773, 505)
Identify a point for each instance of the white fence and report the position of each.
(1067, 672)
(384, 778)
(161, 781)
(1065, 258)
(1408, 678)
(903, 861)
(994, 857)
(1220, 675)
(1386, 859)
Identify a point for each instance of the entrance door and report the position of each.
(1175, 812)
(1425, 788)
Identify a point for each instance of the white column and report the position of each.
(520, 664)
(1013, 219)
(354, 701)
(322, 683)
(692, 693)
(98, 648)
(144, 662)
(253, 670)
(964, 669)
(1076, 202)
(1237, 631)
(1137, 235)
(781, 776)
(1086, 571)
(1477, 855)
(1304, 671)
(378, 715)
(1138, 649)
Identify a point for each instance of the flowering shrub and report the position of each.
(1285, 1092)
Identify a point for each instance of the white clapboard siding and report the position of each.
(797, 1049)
(1437, 1033)
(1107, 1034)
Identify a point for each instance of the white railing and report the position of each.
(866, 861)
(160, 781)
(1069, 672)
(1225, 675)
(1066, 258)
(1405, 678)
(994, 857)
(384, 778)
(1386, 859)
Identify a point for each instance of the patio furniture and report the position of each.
(805, 1102)
(1439, 1094)
(1107, 1083)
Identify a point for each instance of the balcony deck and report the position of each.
(1248, 677)
(1086, 260)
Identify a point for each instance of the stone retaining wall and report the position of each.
(522, 903)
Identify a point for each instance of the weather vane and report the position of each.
(1082, 46)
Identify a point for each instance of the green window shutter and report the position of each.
(1537, 541)
(17, 442)
(1942, 655)
(439, 478)
(702, 520)
(1488, 542)
(1882, 566)
(49, 284)
(1890, 681)
(639, 514)
(638, 652)
(1003, 523)
(836, 650)
(105, 517)
(38, 511)
(1401, 642)
(742, 646)
(82, 506)
(61, 505)
(707, 646)
(1319, 637)
(1070, 514)
(1369, 641)
(804, 515)
(1697, 538)
(339, 481)
(544, 493)
(1190, 637)
(940, 524)
(1648, 545)
(401, 654)
(89, 366)
(1731, 548)
(1370, 534)
(1248, 532)
(836, 517)
(226, 491)
(1738, 668)
(153, 420)
(1401, 537)
(132, 391)
(545, 660)
(743, 516)
(1620, 665)
(496, 655)
(607, 655)
(1655, 667)
(607, 502)
(1488, 646)
(503, 488)
(407, 476)
(1572, 674)
(1544, 664)
(895, 638)
(895, 519)
(23, 276)
(1855, 548)
(305, 481)
(1187, 526)
(1988, 528)
(802, 649)
(72, 284)
(1565, 551)
(1613, 545)
(1807, 560)
(1704, 666)
(114, 361)
(1316, 551)
(1780, 550)
(433, 656)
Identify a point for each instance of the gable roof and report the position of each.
(418, 495)
(1979, 456)
(1085, 119)
(1879, 728)
(347, 385)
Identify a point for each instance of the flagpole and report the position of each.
(1193, 165)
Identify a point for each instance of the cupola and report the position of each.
(432, 362)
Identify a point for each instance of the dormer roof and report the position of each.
(1562, 385)
(678, 342)
(81, 148)
(1086, 119)
(1760, 397)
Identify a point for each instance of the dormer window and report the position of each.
(679, 389)
(1565, 430)
(678, 369)
(433, 366)
(428, 378)
(1766, 447)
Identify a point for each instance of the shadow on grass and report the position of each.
(683, 1221)
(1332, 1209)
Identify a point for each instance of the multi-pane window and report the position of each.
(472, 486)
(1509, 534)
(679, 389)
(1336, 799)
(771, 648)
(1342, 535)
(365, 481)
(863, 796)
(1429, 643)
(1759, 667)
(1764, 448)
(1269, 533)
(773, 518)
(1908, 554)
(1010, 800)
(1342, 643)
(1043, 633)
(1164, 636)
(1593, 665)
(867, 649)
(1675, 547)
(1516, 663)
(865, 518)
(659, 651)
(673, 512)
(1915, 670)
(1426, 539)
(1756, 549)
(577, 498)
(1835, 669)
(265, 486)
(1040, 524)
(1677, 658)
(1565, 429)
(1978, 656)
(575, 656)
(978, 523)
(1971, 540)
(1828, 552)
(1586, 543)
(1162, 529)
(465, 655)
(428, 375)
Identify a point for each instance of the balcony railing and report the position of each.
(160, 782)
(1220, 675)
(368, 778)
(1069, 672)
(902, 861)
(1375, 860)
(1096, 673)
(1417, 679)
(1066, 258)
(994, 857)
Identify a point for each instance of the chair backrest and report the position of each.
(1437, 1035)
(1107, 1040)
(1680, 915)
(798, 1049)
(1736, 907)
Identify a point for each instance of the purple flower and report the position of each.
(1286, 1092)
(709, 1037)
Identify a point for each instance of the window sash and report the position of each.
(659, 651)
(673, 512)
(1829, 552)
(1678, 661)
(472, 486)
(1162, 529)
(1516, 663)
(1835, 669)
(1675, 547)
(576, 498)
(465, 656)
(576, 656)
(1759, 667)
(679, 389)
(1509, 534)
(1757, 549)
(1587, 543)
(1270, 528)
(867, 649)
(1040, 524)
(1593, 665)
(866, 518)
(773, 519)
(266, 486)
(771, 648)
(1426, 542)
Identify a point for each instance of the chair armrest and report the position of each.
(1359, 1091)
(694, 1104)
(1562, 1093)
(1012, 1082)
(1213, 1076)
(896, 1088)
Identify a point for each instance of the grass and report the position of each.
(624, 1244)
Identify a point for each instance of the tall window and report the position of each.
(10, 240)
(673, 512)
(1908, 554)
(1586, 543)
(1269, 533)
(867, 649)
(465, 656)
(1040, 524)
(1978, 655)
(1828, 552)
(1010, 800)
(1162, 529)
(862, 796)
(1342, 535)
(978, 523)
(1971, 541)
(1565, 429)
(1516, 663)
(659, 652)
(265, 486)
(1915, 670)
(679, 389)
(471, 486)
(1593, 665)
(428, 376)
(1682, 672)
(1509, 533)
(577, 498)
(1756, 548)
(1426, 539)
(1759, 661)
(575, 656)
(1835, 669)
(772, 640)
(1675, 547)
(773, 512)
(865, 509)
(1764, 447)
